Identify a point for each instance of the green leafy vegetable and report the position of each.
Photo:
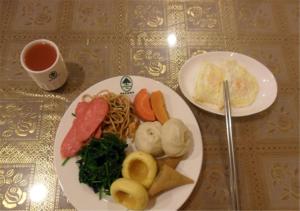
(65, 161)
(100, 162)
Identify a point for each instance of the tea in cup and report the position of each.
(44, 64)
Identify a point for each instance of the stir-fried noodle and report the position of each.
(121, 119)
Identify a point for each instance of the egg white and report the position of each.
(243, 86)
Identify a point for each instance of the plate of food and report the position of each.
(252, 86)
(128, 142)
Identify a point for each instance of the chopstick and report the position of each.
(232, 166)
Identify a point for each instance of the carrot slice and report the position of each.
(158, 106)
(142, 106)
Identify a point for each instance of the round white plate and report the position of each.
(266, 81)
(83, 197)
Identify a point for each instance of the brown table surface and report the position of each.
(101, 39)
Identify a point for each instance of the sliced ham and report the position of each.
(81, 109)
(89, 116)
(98, 132)
(70, 145)
(94, 115)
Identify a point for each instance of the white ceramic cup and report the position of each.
(53, 76)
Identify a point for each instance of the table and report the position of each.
(106, 38)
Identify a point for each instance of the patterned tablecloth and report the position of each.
(105, 38)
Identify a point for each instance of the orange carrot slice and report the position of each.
(142, 106)
(158, 106)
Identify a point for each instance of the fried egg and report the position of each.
(243, 86)
(209, 85)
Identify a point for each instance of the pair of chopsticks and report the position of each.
(232, 165)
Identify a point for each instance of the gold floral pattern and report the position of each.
(288, 180)
(92, 15)
(12, 67)
(35, 14)
(139, 38)
(101, 39)
(212, 127)
(284, 122)
(40, 18)
(292, 11)
(214, 185)
(271, 58)
(17, 120)
(91, 57)
(147, 16)
(254, 16)
(149, 61)
(196, 50)
(202, 16)
(86, 18)
(12, 186)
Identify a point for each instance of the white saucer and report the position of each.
(266, 81)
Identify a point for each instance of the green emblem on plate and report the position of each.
(126, 83)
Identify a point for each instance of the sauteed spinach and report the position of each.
(100, 162)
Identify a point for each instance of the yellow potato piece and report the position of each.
(141, 167)
(129, 193)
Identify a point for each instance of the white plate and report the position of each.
(83, 197)
(266, 81)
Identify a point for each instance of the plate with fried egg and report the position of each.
(252, 86)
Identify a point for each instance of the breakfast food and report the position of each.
(141, 167)
(143, 107)
(167, 179)
(148, 138)
(172, 162)
(209, 85)
(172, 138)
(89, 117)
(104, 112)
(175, 138)
(129, 193)
(158, 106)
(120, 119)
(243, 86)
(100, 162)
(102, 124)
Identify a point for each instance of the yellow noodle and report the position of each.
(121, 119)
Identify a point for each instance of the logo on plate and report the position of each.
(126, 83)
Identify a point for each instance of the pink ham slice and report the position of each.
(98, 132)
(93, 116)
(81, 109)
(70, 145)
(88, 118)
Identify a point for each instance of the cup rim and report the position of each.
(30, 44)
